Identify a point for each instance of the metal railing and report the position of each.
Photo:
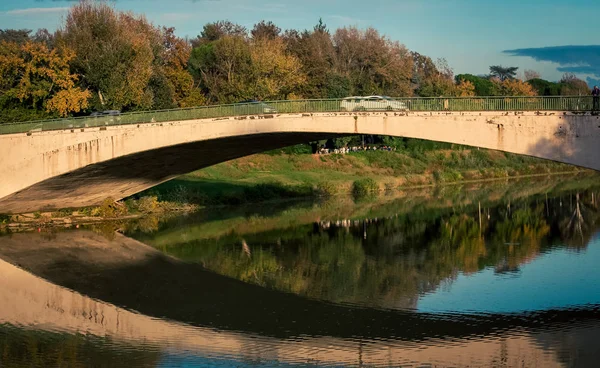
(502, 103)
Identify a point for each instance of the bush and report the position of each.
(63, 213)
(4, 219)
(109, 208)
(326, 189)
(364, 187)
(148, 204)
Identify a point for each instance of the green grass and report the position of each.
(277, 175)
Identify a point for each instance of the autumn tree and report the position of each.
(570, 85)
(483, 86)
(436, 79)
(265, 30)
(502, 72)
(530, 74)
(373, 63)
(317, 55)
(465, 88)
(126, 61)
(275, 73)
(40, 78)
(173, 85)
(216, 30)
(514, 87)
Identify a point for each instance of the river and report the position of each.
(499, 274)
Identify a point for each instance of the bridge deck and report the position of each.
(579, 104)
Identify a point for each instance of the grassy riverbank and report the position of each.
(279, 175)
(293, 174)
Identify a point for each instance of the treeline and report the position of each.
(105, 59)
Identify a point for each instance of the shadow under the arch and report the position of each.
(124, 176)
(129, 274)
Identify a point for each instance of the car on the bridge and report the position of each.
(106, 113)
(257, 107)
(372, 103)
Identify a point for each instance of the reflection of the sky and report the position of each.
(558, 279)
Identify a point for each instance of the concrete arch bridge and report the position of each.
(81, 161)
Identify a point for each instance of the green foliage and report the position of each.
(148, 204)
(326, 189)
(4, 218)
(483, 86)
(544, 87)
(364, 187)
(64, 212)
(337, 86)
(503, 73)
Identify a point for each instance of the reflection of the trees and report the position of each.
(34, 348)
(389, 261)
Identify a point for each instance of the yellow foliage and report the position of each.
(33, 72)
(275, 72)
(514, 87)
(465, 89)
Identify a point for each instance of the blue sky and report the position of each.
(470, 34)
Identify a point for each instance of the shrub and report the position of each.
(109, 208)
(4, 219)
(326, 189)
(148, 204)
(364, 187)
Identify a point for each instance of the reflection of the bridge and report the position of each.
(81, 282)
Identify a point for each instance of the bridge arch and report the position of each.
(75, 167)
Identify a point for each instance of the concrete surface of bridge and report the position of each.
(44, 170)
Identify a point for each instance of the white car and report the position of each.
(371, 103)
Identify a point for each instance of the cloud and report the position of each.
(578, 59)
(36, 11)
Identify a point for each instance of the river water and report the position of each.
(503, 274)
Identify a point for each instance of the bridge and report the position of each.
(79, 162)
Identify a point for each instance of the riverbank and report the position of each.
(280, 176)
(263, 177)
(148, 212)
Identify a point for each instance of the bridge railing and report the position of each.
(497, 103)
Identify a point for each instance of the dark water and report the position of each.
(495, 275)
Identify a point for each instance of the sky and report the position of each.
(549, 36)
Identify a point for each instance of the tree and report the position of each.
(265, 30)
(573, 86)
(544, 87)
(373, 63)
(214, 31)
(483, 86)
(116, 54)
(515, 87)
(275, 73)
(465, 89)
(18, 36)
(531, 74)
(174, 66)
(40, 78)
(437, 80)
(223, 68)
(503, 73)
(317, 55)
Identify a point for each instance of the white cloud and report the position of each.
(36, 11)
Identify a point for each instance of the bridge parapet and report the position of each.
(575, 104)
